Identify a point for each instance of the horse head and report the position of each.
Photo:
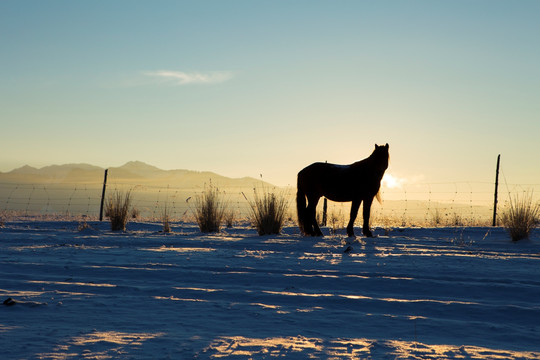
(381, 156)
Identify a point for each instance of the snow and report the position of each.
(409, 293)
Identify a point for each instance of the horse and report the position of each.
(356, 182)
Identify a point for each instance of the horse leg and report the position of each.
(316, 228)
(366, 214)
(311, 215)
(354, 212)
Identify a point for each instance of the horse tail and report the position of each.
(378, 196)
(301, 207)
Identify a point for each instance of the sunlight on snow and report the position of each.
(20, 293)
(173, 298)
(4, 328)
(266, 306)
(361, 297)
(257, 254)
(272, 307)
(56, 246)
(312, 275)
(333, 259)
(282, 347)
(243, 346)
(127, 267)
(178, 249)
(290, 293)
(197, 289)
(114, 337)
(101, 345)
(70, 283)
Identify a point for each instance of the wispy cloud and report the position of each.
(186, 78)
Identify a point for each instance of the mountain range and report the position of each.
(133, 172)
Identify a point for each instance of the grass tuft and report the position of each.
(84, 226)
(268, 212)
(118, 210)
(230, 217)
(165, 219)
(135, 213)
(336, 221)
(209, 210)
(521, 217)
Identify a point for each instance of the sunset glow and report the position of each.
(244, 89)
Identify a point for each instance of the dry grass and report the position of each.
(165, 219)
(84, 226)
(230, 218)
(118, 210)
(209, 210)
(436, 218)
(268, 212)
(135, 213)
(521, 217)
(336, 221)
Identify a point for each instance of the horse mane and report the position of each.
(372, 156)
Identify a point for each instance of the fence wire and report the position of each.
(435, 204)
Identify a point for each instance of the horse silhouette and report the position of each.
(356, 182)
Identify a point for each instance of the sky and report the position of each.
(245, 88)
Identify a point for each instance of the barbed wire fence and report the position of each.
(420, 204)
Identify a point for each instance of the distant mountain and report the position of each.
(131, 173)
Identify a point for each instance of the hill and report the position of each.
(131, 173)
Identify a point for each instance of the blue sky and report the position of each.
(245, 88)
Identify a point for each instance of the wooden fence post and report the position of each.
(496, 191)
(103, 195)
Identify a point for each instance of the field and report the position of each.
(84, 292)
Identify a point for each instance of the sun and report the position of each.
(391, 182)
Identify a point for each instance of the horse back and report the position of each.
(337, 182)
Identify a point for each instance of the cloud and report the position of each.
(186, 78)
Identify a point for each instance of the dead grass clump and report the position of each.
(268, 212)
(165, 219)
(230, 218)
(521, 216)
(209, 210)
(336, 221)
(84, 226)
(436, 218)
(135, 213)
(118, 210)
(457, 220)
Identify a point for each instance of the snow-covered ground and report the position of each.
(459, 293)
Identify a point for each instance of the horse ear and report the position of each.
(376, 146)
(387, 145)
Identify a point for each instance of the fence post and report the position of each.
(103, 195)
(496, 191)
